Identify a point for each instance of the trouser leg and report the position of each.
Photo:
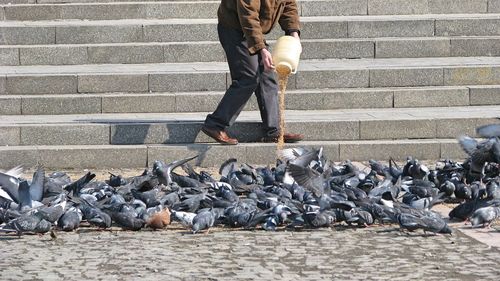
(244, 70)
(267, 98)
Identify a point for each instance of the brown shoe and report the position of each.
(288, 137)
(219, 135)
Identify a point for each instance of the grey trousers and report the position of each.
(248, 77)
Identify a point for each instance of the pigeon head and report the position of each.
(446, 230)
(196, 228)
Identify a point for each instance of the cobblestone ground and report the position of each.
(340, 253)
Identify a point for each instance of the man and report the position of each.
(242, 24)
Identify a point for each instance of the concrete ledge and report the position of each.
(86, 134)
(494, 6)
(472, 75)
(402, 28)
(422, 97)
(325, 99)
(93, 157)
(53, 55)
(406, 77)
(202, 102)
(41, 84)
(452, 150)
(10, 106)
(453, 128)
(332, 79)
(80, 104)
(357, 99)
(412, 48)
(28, 156)
(337, 49)
(125, 54)
(179, 32)
(3, 84)
(467, 27)
(98, 34)
(394, 7)
(383, 150)
(397, 129)
(175, 82)
(9, 56)
(210, 155)
(202, 52)
(27, 35)
(139, 103)
(475, 47)
(484, 95)
(113, 83)
(458, 6)
(211, 51)
(324, 130)
(10, 135)
(333, 8)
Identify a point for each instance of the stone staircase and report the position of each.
(119, 84)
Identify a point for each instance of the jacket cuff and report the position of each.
(256, 48)
(289, 31)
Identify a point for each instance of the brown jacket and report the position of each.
(257, 17)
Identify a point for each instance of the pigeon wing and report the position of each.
(308, 178)
(468, 144)
(489, 131)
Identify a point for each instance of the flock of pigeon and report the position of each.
(303, 190)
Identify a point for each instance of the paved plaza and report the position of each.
(340, 253)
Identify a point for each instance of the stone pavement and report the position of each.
(340, 253)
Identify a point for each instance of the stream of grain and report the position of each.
(282, 81)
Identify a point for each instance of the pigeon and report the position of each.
(70, 220)
(32, 222)
(164, 171)
(94, 215)
(203, 221)
(185, 218)
(159, 220)
(485, 216)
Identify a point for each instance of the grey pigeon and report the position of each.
(53, 213)
(127, 221)
(10, 185)
(310, 179)
(25, 201)
(70, 220)
(480, 152)
(32, 222)
(185, 218)
(485, 216)
(203, 220)
(36, 186)
(94, 215)
(163, 171)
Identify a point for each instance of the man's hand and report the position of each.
(295, 34)
(267, 59)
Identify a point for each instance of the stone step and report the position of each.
(208, 51)
(214, 76)
(184, 30)
(325, 99)
(178, 128)
(208, 9)
(213, 155)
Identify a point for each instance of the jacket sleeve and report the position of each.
(289, 20)
(248, 13)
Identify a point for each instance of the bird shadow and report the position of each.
(9, 237)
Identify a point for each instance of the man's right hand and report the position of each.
(267, 59)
